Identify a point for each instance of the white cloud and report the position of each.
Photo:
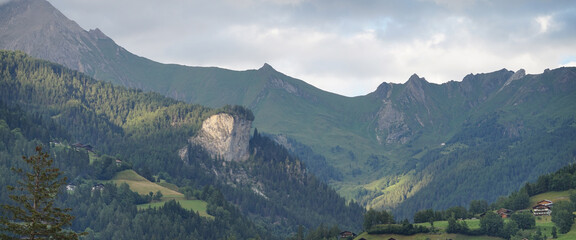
(544, 22)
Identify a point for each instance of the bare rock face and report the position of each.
(225, 137)
(391, 127)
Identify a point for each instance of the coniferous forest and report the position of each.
(87, 125)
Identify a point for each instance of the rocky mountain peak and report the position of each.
(383, 91)
(415, 88)
(416, 82)
(415, 77)
(39, 29)
(266, 67)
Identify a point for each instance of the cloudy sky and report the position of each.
(347, 47)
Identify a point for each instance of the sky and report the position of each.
(346, 47)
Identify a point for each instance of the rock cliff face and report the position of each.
(391, 125)
(225, 136)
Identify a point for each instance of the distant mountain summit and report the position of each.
(37, 28)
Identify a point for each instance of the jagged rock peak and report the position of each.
(416, 83)
(415, 88)
(416, 78)
(266, 67)
(383, 90)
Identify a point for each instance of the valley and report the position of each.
(379, 149)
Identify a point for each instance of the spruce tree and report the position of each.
(34, 214)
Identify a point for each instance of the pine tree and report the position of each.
(34, 215)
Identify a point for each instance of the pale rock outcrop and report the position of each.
(517, 75)
(224, 136)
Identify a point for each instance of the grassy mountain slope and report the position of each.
(142, 185)
(514, 136)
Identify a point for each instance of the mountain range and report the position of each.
(403, 146)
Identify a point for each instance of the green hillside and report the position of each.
(142, 186)
(91, 124)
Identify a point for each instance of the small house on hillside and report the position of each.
(70, 187)
(98, 186)
(346, 235)
(87, 147)
(541, 210)
(545, 202)
(504, 213)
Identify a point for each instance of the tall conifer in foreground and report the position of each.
(34, 216)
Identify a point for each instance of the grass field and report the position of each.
(141, 185)
(568, 236)
(421, 236)
(545, 224)
(472, 224)
(165, 184)
(552, 196)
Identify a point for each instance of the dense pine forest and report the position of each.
(42, 103)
